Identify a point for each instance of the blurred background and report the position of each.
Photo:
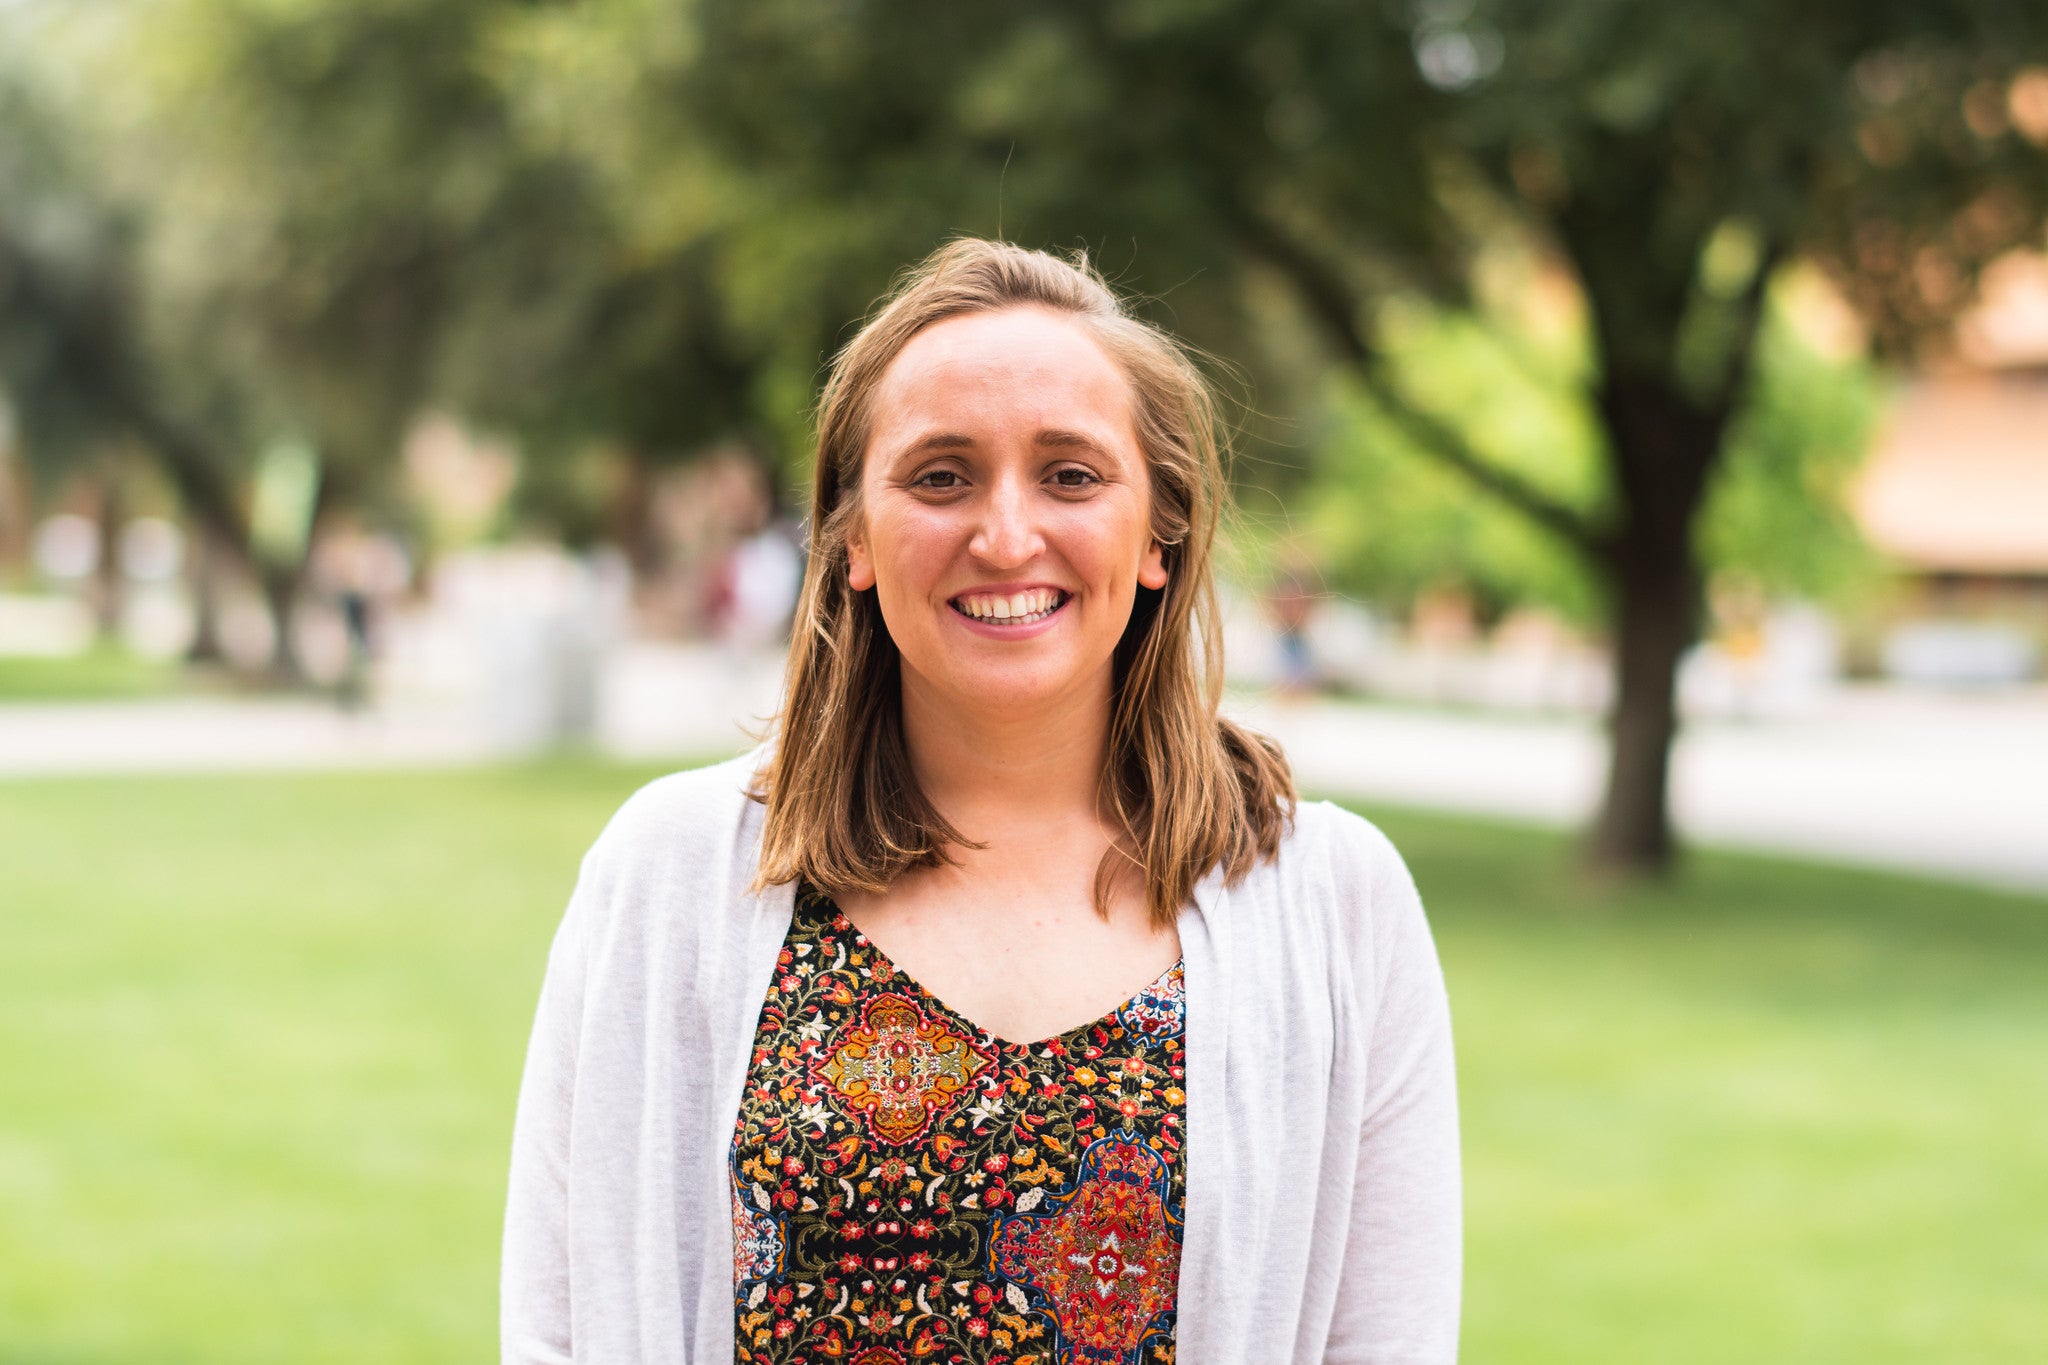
(1641, 443)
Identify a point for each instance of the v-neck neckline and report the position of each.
(840, 922)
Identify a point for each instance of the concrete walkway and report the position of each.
(1929, 785)
(212, 735)
(1953, 786)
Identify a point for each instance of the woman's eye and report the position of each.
(1073, 478)
(937, 479)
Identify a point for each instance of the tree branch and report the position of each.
(1331, 302)
(108, 370)
(205, 494)
(1441, 441)
(1749, 308)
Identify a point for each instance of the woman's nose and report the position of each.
(1008, 534)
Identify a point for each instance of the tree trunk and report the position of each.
(108, 588)
(204, 573)
(280, 594)
(282, 583)
(630, 518)
(1655, 619)
(1664, 447)
(17, 500)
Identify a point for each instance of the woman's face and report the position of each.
(1006, 511)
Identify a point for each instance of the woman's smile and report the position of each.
(1009, 613)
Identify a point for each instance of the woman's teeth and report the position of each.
(1012, 609)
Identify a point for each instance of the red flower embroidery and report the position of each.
(1104, 1257)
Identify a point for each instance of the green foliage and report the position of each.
(1388, 520)
(322, 181)
(637, 227)
(1779, 513)
(261, 1072)
(66, 290)
(626, 222)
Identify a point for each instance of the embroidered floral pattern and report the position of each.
(756, 1245)
(1105, 1257)
(910, 1188)
(1160, 1010)
(900, 1067)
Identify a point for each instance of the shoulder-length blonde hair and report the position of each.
(1186, 790)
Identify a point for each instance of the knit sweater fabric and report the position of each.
(1322, 1219)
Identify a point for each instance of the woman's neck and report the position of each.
(987, 769)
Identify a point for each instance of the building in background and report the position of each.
(1956, 494)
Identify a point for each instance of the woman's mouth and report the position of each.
(1010, 609)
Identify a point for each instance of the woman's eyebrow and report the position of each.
(933, 442)
(1056, 437)
(936, 442)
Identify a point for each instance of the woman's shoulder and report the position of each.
(1339, 849)
(684, 838)
(1337, 878)
(688, 806)
(1339, 831)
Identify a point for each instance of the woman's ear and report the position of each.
(860, 570)
(1152, 569)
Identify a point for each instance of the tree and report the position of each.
(1670, 160)
(1776, 517)
(432, 233)
(338, 215)
(74, 357)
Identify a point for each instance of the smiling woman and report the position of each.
(977, 473)
(1007, 1000)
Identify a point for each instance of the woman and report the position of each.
(1008, 1007)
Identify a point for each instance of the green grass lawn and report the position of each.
(101, 673)
(261, 1041)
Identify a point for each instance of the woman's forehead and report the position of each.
(983, 375)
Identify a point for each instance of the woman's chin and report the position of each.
(1015, 687)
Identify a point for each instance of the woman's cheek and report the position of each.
(920, 546)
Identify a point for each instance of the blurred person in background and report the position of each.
(1007, 1003)
(1293, 603)
(755, 587)
(363, 572)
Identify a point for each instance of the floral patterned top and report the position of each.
(908, 1187)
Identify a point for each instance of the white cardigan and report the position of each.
(1323, 1220)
